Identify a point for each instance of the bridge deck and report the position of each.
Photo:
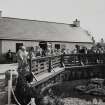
(47, 75)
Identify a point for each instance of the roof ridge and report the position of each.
(38, 20)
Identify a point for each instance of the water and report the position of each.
(77, 101)
(70, 96)
(73, 98)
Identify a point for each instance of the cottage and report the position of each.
(15, 32)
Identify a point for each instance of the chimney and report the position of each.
(76, 23)
(0, 13)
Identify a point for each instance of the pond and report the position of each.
(67, 93)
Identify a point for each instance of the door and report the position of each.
(18, 45)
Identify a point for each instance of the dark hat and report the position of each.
(28, 76)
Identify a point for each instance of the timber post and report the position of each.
(62, 60)
(30, 61)
(9, 88)
(49, 70)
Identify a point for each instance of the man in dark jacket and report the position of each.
(24, 91)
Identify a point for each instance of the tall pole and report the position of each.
(30, 61)
(9, 88)
(49, 70)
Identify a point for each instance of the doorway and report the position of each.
(43, 45)
(18, 45)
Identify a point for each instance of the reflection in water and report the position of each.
(77, 101)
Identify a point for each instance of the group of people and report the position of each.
(84, 50)
(24, 90)
(23, 54)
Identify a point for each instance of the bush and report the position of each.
(3, 59)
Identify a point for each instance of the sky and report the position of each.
(91, 13)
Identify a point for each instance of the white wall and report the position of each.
(7, 44)
(71, 46)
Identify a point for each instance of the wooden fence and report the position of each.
(83, 59)
(46, 64)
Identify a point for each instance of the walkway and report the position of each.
(47, 75)
(5, 67)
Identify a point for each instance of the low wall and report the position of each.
(55, 77)
(72, 73)
(85, 72)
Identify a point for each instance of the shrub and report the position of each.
(3, 59)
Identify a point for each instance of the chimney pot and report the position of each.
(0, 13)
(76, 23)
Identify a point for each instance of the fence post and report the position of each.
(9, 88)
(30, 61)
(49, 70)
(62, 60)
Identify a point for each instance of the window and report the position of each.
(57, 46)
(18, 46)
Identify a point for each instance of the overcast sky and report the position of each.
(91, 13)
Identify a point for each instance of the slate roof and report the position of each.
(24, 29)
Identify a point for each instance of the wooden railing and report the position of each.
(83, 59)
(46, 64)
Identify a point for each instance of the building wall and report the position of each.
(8, 44)
(71, 46)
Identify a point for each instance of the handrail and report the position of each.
(39, 57)
(84, 59)
(43, 64)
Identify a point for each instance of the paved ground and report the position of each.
(5, 67)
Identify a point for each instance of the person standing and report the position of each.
(22, 57)
(9, 56)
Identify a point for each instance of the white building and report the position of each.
(15, 32)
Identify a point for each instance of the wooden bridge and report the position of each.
(67, 67)
(53, 69)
